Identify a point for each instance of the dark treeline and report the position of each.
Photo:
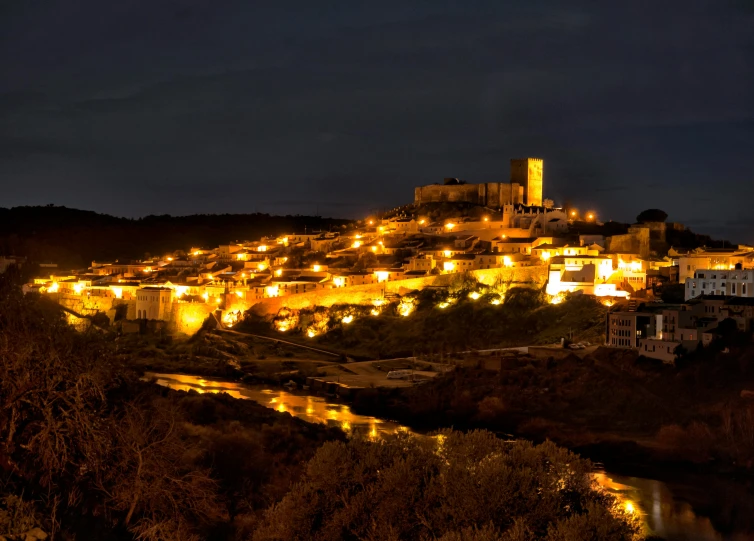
(75, 238)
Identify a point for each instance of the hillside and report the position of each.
(74, 238)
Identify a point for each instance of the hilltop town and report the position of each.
(493, 232)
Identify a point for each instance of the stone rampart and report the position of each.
(364, 295)
(187, 318)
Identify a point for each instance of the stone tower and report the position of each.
(528, 173)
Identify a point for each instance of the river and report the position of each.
(661, 505)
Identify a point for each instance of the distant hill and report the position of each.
(75, 238)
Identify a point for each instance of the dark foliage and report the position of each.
(652, 215)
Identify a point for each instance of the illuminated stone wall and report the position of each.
(535, 275)
(187, 318)
(86, 306)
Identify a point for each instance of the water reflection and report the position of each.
(313, 409)
(663, 515)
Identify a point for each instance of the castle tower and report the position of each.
(528, 173)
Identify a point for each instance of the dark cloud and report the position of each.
(138, 107)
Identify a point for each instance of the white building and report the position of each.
(154, 303)
(737, 283)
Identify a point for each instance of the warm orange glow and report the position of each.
(272, 291)
(406, 307)
(422, 222)
(316, 268)
(495, 301)
(78, 288)
(339, 281)
(311, 333)
(209, 277)
(382, 276)
(374, 248)
(450, 226)
(375, 312)
(54, 288)
(261, 266)
(356, 244)
(197, 252)
(573, 213)
(205, 295)
(545, 256)
(443, 305)
(448, 266)
(447, 253)
(170, 259)
(261, 248)
(239, 294)
(381, 228)
(507, 261)
(347, 319)
(474, 295)
(486, 219)
(117, 291)
(371, 222)
(557, 299)
(279, 272)
(218, 300)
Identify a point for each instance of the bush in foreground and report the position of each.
(452, 486)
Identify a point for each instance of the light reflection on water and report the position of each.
(662, 514)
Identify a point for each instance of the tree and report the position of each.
(652, 215)
(452, 486)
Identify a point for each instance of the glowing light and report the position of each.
(590, 216)
(630, 508)
(406, 307)
(205, 295)
(474, 295)
(375, 312)
(495, 301)
(557, 299)
(486, 219)
(279, 272)
(448, 266)
(443, 305)
(447, 253)
(209, 277)
(170, 259)
(422, 222)
(243, 275)
(381, 243)
(117, 291)
(357, 236)
(573, 213)
(272, 291)
(356, 244)
(239, 294)
(507, 261)
(311, 333)
(608, 302)
(371, 222)
(240, 256)
(382, 276)
(53, 288)
(316, 268)
(78, 288)
(261, 266)
(339, 281)
(347, 319)
(218, 300)
(261, 248)
(374, 248)
(345, 425)
(450, 226)
(197, 252)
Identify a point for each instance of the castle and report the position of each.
(525, 187)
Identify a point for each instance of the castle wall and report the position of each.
(364, 295)
(491, 194)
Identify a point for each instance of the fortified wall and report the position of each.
(490, 194)
(534, 275)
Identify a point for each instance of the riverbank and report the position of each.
(671, 499)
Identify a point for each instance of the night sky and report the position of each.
(136, 107)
